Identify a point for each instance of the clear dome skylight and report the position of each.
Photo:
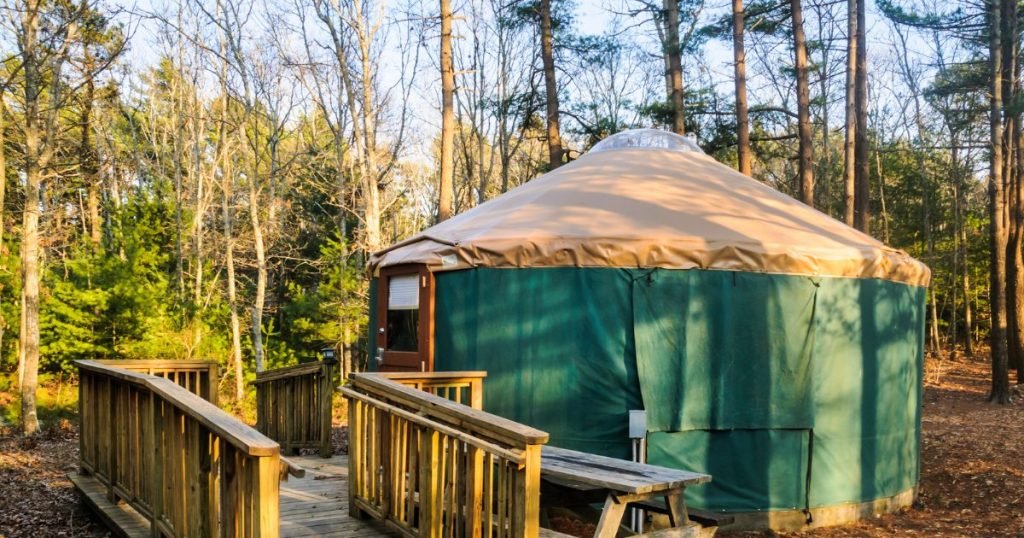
(648, 139)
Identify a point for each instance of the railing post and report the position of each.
(476, 393)
(527, 502)
(214, 380)
(326, 407)
(112, 425)
(355, 458)
(84, 418)
(430, 501)
(264, 496)
(157, 478)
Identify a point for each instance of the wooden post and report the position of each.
(430, 501)
(112, 435)
(355, 455)
(476, 393)
(474, 491)
(264, 496)
(326, 408)
(157, 475)
(214, 380)
(529, 503)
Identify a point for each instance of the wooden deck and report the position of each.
(316, 505)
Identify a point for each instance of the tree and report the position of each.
(547, 47)
(44, 36)
(444, 210)
(803, 103)
(849, 148)
(740, 71)
(862, 181)
(1000, 391)
(673, 54)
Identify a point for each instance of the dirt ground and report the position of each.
(972, 481)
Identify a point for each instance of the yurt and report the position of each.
(768, 344)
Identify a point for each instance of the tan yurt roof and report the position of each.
(648, 198)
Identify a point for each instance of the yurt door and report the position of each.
(405, 313)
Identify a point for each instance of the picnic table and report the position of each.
(621, 482)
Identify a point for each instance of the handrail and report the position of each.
(428, 466)
(196, 376)
(181, 462)
(294, 405)
(460, 387)
(460, 416)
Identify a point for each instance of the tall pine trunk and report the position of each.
(444, 206)
(849, 166)
(674, 58)
(3, 212)
(803, 104)
(547, 49)
(1000, 391)
(740, 66)
(862, 185)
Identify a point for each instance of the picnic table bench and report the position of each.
(587, 478)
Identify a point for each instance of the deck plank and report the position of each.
(317, 504)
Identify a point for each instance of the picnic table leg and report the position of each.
(677, 514)
(611, 517)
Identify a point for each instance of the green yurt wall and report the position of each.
(793, 392)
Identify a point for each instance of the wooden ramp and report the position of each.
(316, 505)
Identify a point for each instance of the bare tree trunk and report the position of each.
(3, 215)
(3, 168)
(675, 65)
(849, 167)
(371, 187)
(740, 66)
(803, 104)
(547, 47)
(89, 166)
(30, 262)
(1000, 392)
(261, 276)
(447, 186)
(198, 221)
(862, 179)
(229, 261)
(179, 126)
(40, 133)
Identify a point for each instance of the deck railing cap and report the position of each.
(460, 415)
(229, 428)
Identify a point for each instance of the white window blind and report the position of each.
(404, 292)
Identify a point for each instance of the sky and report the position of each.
(591, 18)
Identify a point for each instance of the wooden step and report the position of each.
(119, 518)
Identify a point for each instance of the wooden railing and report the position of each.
(187, 467)
(431, 467)
(460, 387)
(198, 377)
(293, 405)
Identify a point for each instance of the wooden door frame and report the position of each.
(425, 330)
